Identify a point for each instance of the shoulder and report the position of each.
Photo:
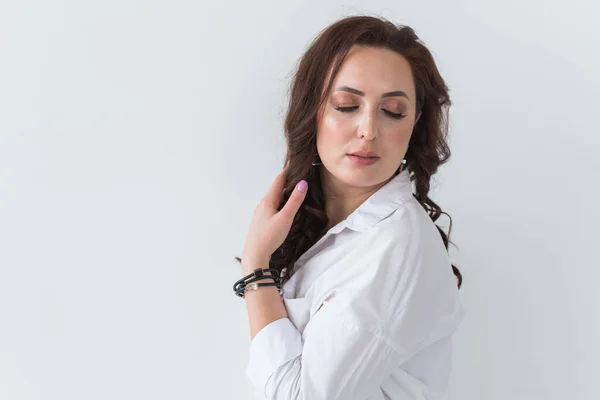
(412, 247)
(420, 286)
(409, 229)
(404, 261)
(401, 255)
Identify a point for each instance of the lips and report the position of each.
(364, 154)
(363, 160)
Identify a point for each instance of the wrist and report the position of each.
(250, 263)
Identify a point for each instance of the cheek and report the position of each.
(334, 130)
(333, 125)
(399, 139)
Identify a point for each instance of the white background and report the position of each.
(137, 136)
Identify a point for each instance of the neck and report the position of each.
(342, 199)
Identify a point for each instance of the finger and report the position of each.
(295, 201)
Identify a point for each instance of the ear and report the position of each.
(418, 116)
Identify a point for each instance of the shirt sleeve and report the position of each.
(338, 360)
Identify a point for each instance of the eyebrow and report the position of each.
(361, 93)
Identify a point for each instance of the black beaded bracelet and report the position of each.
(258, 274)
(248, 282)
(276, 279)
(254, 286)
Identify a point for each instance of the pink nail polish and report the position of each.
(302, 186)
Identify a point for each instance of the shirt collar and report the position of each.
(379, 205)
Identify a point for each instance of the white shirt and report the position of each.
(372, 307)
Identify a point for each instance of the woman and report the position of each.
(357, 296)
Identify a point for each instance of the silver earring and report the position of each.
(402, 166)
(318, 162)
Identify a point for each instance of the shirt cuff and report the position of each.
(273, 346)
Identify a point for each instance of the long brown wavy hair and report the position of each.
(428, 147)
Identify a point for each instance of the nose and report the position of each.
(367, 128)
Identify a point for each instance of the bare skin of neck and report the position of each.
(342, 200)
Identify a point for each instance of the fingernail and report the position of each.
(302, 186)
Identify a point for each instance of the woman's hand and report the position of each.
(269, 228)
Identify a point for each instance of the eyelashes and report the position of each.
(350, 109)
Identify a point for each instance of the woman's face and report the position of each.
(374, 120)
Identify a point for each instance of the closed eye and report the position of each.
(391, 114)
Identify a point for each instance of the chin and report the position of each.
(363, 177)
